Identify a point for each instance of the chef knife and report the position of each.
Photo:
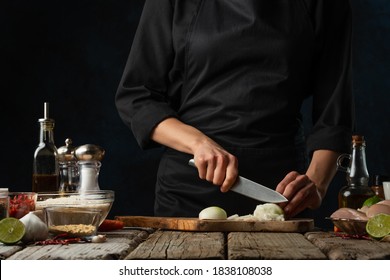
(253, 190)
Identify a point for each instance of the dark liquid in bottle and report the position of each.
(45, 183)
(354, 197)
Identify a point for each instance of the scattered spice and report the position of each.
(353, 236)
(61, 239)
(65, 239)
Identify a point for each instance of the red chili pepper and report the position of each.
(352, 236)
(336, 229)
(60, 239)
(20, 205)
(109, 225)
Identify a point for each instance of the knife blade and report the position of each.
(253, 190)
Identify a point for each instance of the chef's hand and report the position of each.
(301, 193)
(308, 190)
(216, 165)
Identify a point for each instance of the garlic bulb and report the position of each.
(99, 239)
(36, 230)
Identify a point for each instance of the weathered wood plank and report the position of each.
(163, 245)
(272, 246)
(8, 250)
(116, 247)
(337, 248)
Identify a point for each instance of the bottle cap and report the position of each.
(89, 152)
(66, 153)
(48, 124)
(358, 140)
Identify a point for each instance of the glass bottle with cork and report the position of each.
(357, 189)
(45, 164)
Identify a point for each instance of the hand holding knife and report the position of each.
(253, 190)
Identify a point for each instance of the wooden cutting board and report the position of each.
(194, 224)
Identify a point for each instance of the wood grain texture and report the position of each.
(116, 247)
(275, 246)
(194, 224)
(338, 248)
(8, 250)
(164, 245)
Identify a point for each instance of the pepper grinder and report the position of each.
(69, 174)
(89, 158)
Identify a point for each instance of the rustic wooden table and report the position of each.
(147, 244)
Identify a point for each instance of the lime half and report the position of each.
(11, 230)
(371, 201)
(378, 226)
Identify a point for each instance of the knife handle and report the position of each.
(191, 162)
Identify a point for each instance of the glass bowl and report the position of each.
(21, 203)
(350, 226)
(74, 221)
(99, 200)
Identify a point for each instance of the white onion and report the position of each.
(269, 212)
(213, 213)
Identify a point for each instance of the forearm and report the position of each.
(177, 135)
(322, 169)
(214, 163)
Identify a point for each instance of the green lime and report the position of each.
(371, 201)
(378, 226)
(11, 230)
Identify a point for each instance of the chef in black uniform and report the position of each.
(223, 81)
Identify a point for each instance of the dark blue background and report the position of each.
(72, 54)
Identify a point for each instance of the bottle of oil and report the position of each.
(357, 189)
(377, 185)
(45, 164)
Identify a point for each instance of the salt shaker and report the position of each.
(89, 159)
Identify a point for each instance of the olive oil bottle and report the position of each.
(357, 189)
(45, 176)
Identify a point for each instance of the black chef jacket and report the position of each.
(238, 70)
